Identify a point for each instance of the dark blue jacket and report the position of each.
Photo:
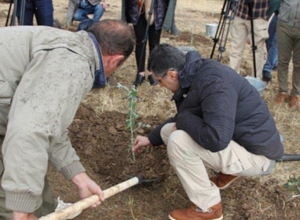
(160, 9)
(216, 105)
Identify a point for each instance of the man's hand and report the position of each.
(174, 128)
(87, 187)
(23, 216)
(139, 143)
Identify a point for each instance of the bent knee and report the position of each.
(176, 141)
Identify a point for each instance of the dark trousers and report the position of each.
(42, 9)
(288, 39)
(153, 38)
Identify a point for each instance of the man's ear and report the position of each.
(116, 60)
(173, 74)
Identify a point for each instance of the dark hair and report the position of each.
(164, 57)
(85, 24)
(114, 37)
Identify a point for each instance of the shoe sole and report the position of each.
(220, 218)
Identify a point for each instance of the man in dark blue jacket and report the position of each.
(222, 123)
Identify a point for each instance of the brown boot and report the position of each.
(294, 101)
(281, 98)
(195, 213)
(222, 181)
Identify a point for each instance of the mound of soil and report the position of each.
(104, 140)
(101, 141)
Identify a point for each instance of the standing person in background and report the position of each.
(241, 28)
(271, 42)
(288, 36)
(44, 76)
(41, 9)
(137, 13)
(169, 23)
(79, 10)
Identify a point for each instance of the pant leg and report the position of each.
(81, 13)
(98, 11)
(260, 27)
(140, 54)
(296, 62)
(190, 169)
(44, 12)
(239, 33)
(28, 13)
(170, 14)
(154, 37)
(285, 47)
(190, 161)
(271, 44)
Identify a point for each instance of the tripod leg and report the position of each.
(223, 42)
(216, 38)
(228, 13)
(250, 5)
(14, 15)
(8, 15)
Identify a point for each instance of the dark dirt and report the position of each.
(101, 141)
(106, 135)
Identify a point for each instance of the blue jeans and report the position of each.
(42, 9)
(271, 44)
(86, 8)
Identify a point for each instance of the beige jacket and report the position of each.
(44, 75)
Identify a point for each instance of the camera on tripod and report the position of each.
(227, 16)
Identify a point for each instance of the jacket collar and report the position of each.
(190, 68)
(100, 79)
(186, 75)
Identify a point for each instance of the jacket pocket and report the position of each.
(261, 29)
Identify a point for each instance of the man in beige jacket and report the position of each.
(44, 75)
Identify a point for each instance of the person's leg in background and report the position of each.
(44, 12)
(154, 39)
(140, 52)
(98, 12)
(81, 13)
(272, 50)
(295, 92)
(260, 27)
(285, 47)
(27, 17)
(239, 33)
(169, 22)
